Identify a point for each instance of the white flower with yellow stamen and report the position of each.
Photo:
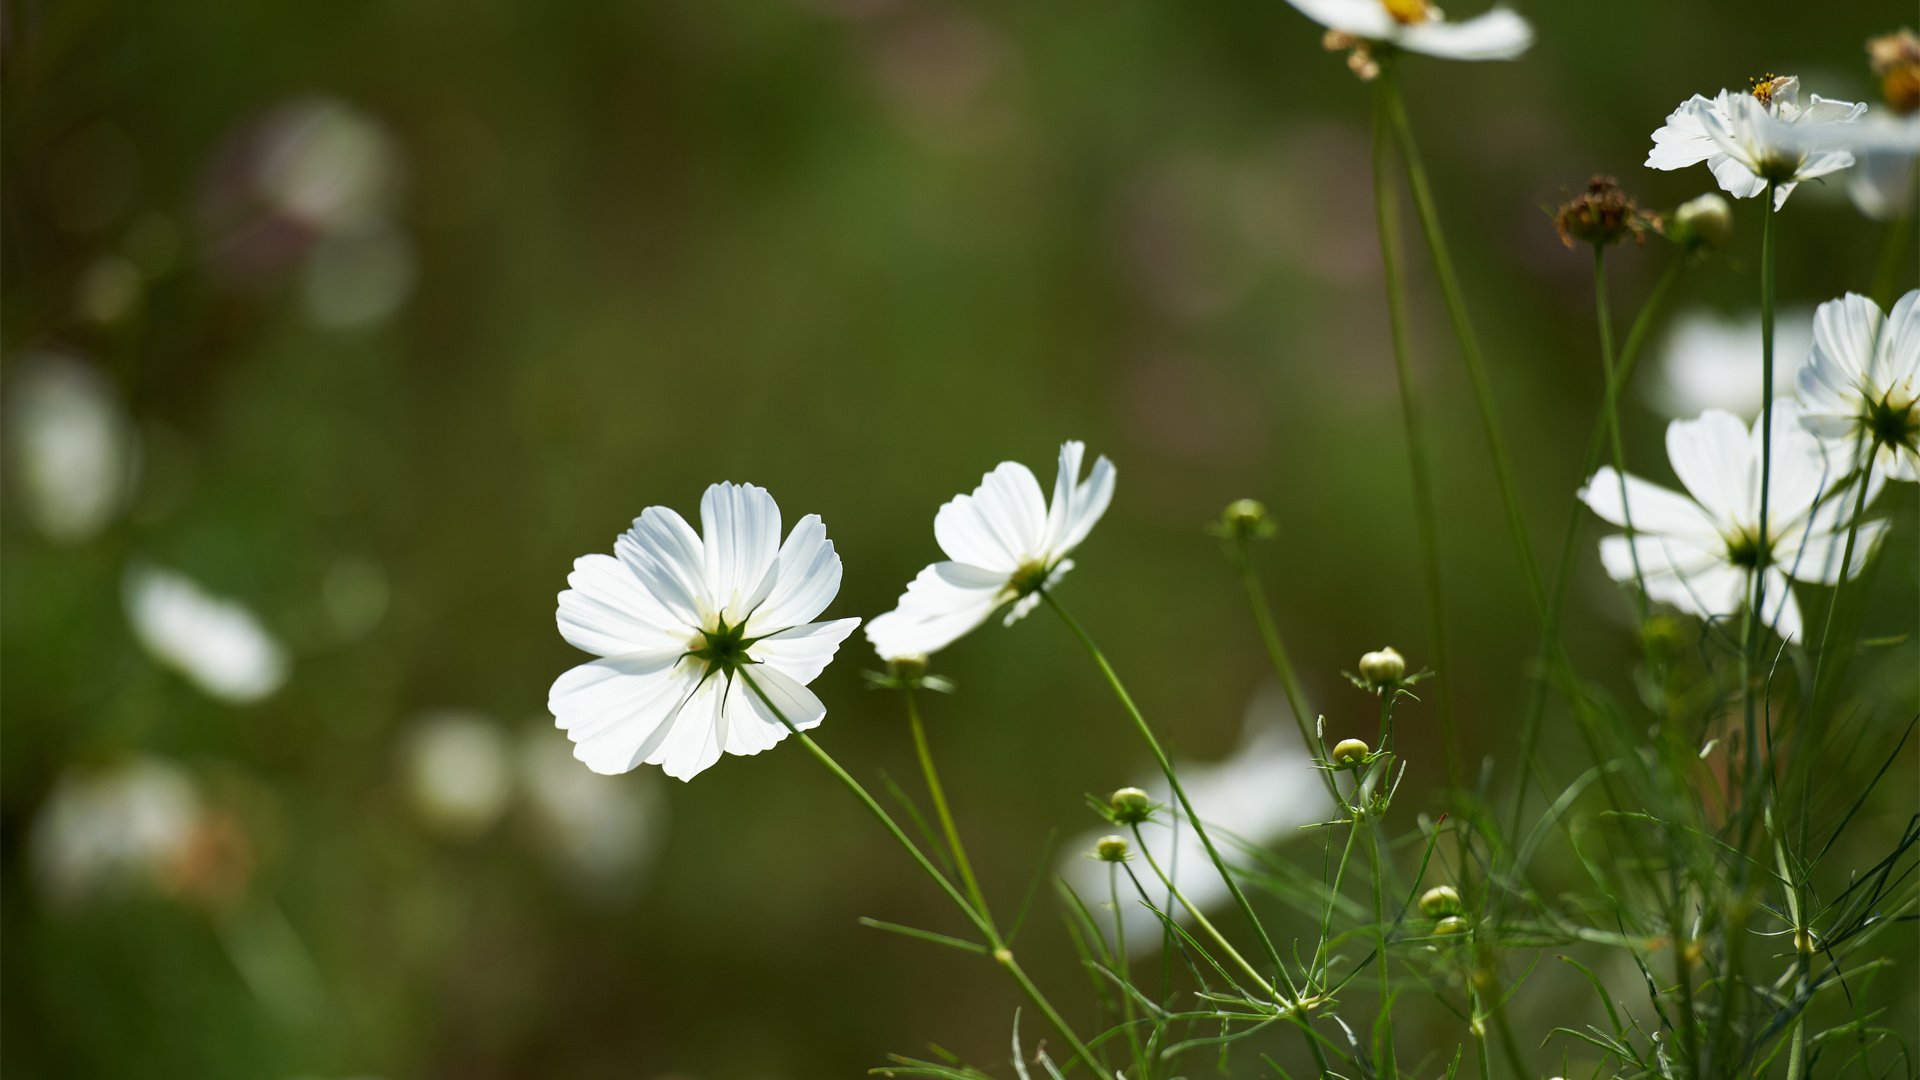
(1367, 26)
(1756, 137)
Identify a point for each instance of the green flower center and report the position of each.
(723, 648)
(1744, 550)
(1894, 421)
(1029, 577)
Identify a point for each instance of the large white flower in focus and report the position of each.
(1751, 137)
(1004, 544)
(682, 621)
(1699, 551)
(1861, 383)
(1421, 27)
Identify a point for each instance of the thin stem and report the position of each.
(1173, 778)
(1001, 954)
(1611, 409)
(937, 792)
(1380, 920)
(1387, 218)
(1469, 344)
(1120, 959)
(1200, 919)
(1865, 472)
(1282, 664)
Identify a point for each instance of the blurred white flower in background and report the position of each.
(69, 444)
(217, 644)
(358, 277)
(600, 833)
(1260, 794)
(459, 775)
(1004, 545)
(326, 164)
(1712, 361)
(111, 828)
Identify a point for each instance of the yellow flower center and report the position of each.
(1763, 87)
(1410, 12)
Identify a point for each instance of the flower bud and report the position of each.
(1245, 518)
(1440, 901)
(1350, 753)
(1111, 849)
(1705, 222)
(1384, 668)
(907, 668)
(1130, 806)
(1451, 926)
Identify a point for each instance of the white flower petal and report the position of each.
(808, 580)
(690, 741)
(607, 612)
(1710, 455)
(1499, 34)
(1738, 180)
(1683, 141)
(616, 709)
(665, 553)
(1077, 507)
(1654, 509)
(1000, 525)
(1846, 337)
(1361, 18)
(1817, 560)
(795, 703)
(1900, 345)
(939, 607)
(803, 652)
(740, 526)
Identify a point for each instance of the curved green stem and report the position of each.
(1611, 408)
(1282, 663)
(937, 792)
(1001, 954)
(1387, 221)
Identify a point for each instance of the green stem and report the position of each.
(1120, 959)
(1001, 954)
(1756, 615)
(1282, 664)
(1390, 1066)
(1570, 536)
(1469, 344)
(1611, 408)
(1864, 477)
(1387, 219)
(937, 792)
(1173, 778)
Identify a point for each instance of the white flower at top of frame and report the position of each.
(217, 644)
(1699, 551)
(1712, 361)
(1421, 27)
(1752, 137)
(706, 639)
(1861, 385)
(1004, 544)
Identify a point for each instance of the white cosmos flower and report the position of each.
(70, 445)
(1004, 543)
(1712, 361)
(107, 828)
(215, 643)
(1753, 137)
(1862, 381)
(1419, 26)
(682, 623)
(1699, 551)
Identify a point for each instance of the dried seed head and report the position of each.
(1603, 215)
(1895, 58)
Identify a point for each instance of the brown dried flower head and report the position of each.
(1896, 60)
(1603, 215)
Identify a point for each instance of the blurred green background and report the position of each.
(404, 306)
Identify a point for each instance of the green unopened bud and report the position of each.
(1451, 926)
(1111, 849)
(1705, 222)
(1130, 806)
(1384, 668)
(1350, 753)
(1440, 901)
(1245, 518)
(912, 666)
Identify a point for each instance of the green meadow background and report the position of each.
(857, 251)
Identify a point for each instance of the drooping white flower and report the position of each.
(112, 827)
(1861, 384)
(215, 643)
(1004, 544)
(683, 621)
(1699, 551)
(1712, 361)
(458, 775)
(70, 446)
(1750, 138)
(1421, 27)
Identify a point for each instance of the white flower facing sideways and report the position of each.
(1699, 551)
(1751, 138)
(706, 640)
(1004, 544)
(1861, 384)
(1416, 26)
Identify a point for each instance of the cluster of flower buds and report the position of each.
(1603, 215)
(1442, 904)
